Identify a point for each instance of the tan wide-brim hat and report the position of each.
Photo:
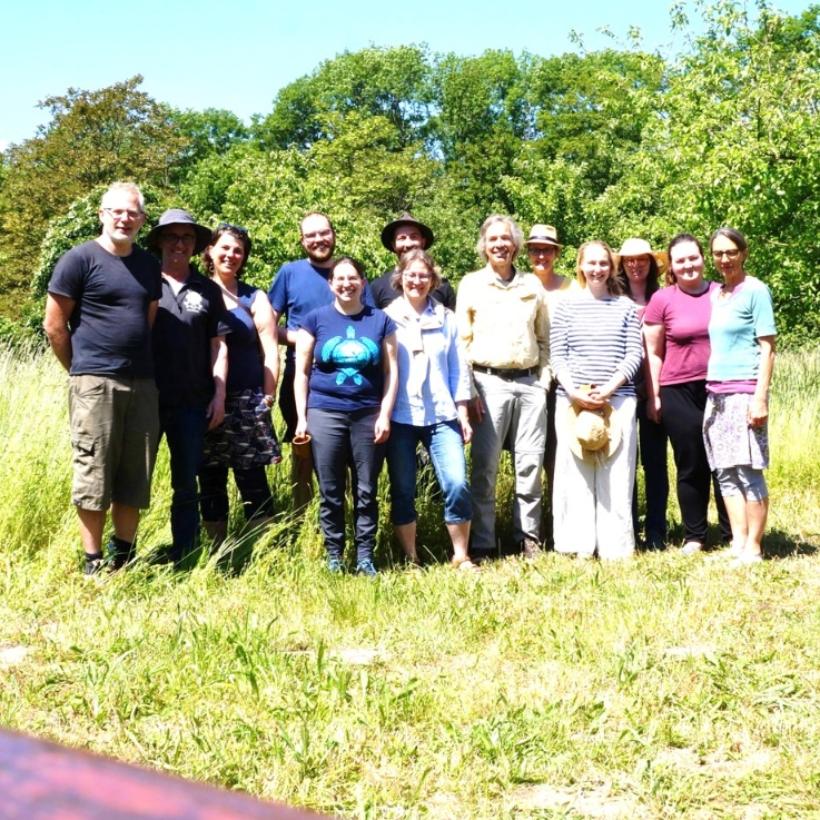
(594, 435)
(543, 235)
(640, 247)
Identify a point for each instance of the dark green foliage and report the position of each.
(601, 144)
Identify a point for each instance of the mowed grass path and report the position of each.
(664, 686)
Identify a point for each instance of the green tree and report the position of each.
(384, 82)
(93, 137)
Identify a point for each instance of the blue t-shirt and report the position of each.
(109, 323)
(300, 287)
(738, 320)
(347, 358)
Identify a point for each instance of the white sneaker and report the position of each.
(691, 548)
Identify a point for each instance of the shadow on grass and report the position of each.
(780, 544)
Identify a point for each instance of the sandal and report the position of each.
(464, 564)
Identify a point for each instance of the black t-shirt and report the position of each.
(384, 293)
(109, 323)
(186, 323)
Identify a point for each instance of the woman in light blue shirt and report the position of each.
(735, 425)
(431, 406)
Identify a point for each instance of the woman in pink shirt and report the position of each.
(676, 329)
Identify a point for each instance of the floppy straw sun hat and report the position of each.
(640, 247)
(594, 435)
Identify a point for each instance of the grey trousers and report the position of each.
(516, 413)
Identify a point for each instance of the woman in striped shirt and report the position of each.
(595, 344)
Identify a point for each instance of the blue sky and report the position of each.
(238, 55)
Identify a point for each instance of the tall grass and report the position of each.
(665, 686)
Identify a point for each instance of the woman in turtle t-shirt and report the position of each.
(345, 387)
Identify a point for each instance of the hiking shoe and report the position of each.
(530, 549)
(366, 567)
(95, 565)
(119, 552)
(335, 565)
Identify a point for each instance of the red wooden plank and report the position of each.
(40, 780)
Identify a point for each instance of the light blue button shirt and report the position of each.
(433, 371)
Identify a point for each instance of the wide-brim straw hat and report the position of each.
(594, 435)
(543, 235)
(178, 216)
(388, 234)
(635, 246)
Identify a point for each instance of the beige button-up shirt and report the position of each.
(504, 324)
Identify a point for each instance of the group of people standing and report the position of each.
(568, 375)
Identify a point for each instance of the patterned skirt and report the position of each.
(727, 436)
(246, 437)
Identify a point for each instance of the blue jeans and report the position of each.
(342, 440)
(444, 443)
(184, 429)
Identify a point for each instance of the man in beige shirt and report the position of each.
(504, 326)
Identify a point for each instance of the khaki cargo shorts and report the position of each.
(114, 439)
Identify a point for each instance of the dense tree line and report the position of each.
(602, 144)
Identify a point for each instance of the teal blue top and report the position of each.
(738, 320)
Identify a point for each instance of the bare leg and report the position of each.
(125, 520)
(736, 509)
(460, 536)
(406, 536)
(92, 523)
(301, 475)
(756, 514)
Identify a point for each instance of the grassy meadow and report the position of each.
(662, 687)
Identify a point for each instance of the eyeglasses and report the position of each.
(231, 227)
(732, 254)
(120, 213)
(173, 238)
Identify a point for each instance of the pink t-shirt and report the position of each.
(685, 320)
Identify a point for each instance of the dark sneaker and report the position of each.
(95, 565)
(119, 552)
(655, 543)
(335, 565)
(366, 567)
(530, 549)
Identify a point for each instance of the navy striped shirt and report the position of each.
(592, 339)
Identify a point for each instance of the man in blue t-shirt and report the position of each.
(102, 302)
(298, 288)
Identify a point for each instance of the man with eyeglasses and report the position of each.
(102, 302)
(191, 362)
(298, 288)
(399, 236)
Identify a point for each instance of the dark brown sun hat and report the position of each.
(389, 230)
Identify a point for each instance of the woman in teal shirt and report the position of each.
(742, 338)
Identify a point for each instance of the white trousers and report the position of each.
(592, 503)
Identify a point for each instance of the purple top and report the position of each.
(685, 320)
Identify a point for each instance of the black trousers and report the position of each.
(682, 407)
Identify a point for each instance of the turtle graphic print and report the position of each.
(349, 355)
(347, 366)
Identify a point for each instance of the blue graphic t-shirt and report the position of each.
(347, 358)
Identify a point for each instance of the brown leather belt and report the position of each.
(506, 372)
